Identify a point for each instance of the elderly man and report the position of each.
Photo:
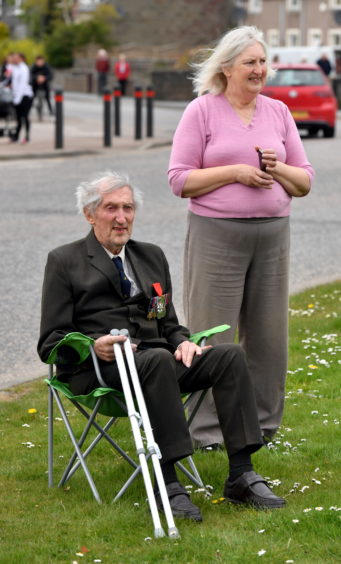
(107, 280)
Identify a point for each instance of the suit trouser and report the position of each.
(236, 272)
(163, 379)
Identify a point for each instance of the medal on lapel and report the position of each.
(158, 303)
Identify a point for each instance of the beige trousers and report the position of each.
(236, 272)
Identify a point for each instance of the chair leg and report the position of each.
(76, 447)
(50, 431)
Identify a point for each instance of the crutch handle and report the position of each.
(114, 332)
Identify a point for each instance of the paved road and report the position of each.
(38, 213)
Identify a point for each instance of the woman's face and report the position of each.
(248, 72)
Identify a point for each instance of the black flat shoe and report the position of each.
(251, 489)
(180, 502)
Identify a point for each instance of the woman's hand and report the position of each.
(295, 180)
(254, 177)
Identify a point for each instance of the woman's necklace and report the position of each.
(244, 112)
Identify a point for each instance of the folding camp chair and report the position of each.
(105, 401)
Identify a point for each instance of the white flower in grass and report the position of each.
(314, 412)
(188, 487)
(318, 508)
(148, 539)
(304, 488)
(295, 520)
(209, 487)
(317, 469)
(316, 481)
(26, 425)
(97, 560)
(289, 561)
(261, 531)
(307, 509)
(261, 552)
(136, 504)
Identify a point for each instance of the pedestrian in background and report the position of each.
(102, 65)
(122, 72)
(6, 69)
(41, 77)
(22, 95)
(238, 157)
(324, 64)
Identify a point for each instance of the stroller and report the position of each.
(7, 112)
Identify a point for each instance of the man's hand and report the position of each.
(104, 346)
(187, 350)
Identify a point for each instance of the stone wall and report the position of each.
(172, 85)
(186, 23)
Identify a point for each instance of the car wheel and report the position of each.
(313, 131)
(329, 131)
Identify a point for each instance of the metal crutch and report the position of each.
(152, 447)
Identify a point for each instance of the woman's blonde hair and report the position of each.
(208, 75)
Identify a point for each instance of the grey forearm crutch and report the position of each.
(152, 448)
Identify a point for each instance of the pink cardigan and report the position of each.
(211, 134)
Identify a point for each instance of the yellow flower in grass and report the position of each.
(32, 411)
(311, 306)
(312, 366)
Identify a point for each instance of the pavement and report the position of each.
(83, 129)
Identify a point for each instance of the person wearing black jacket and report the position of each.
(41, 76)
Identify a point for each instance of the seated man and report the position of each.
(107, 280)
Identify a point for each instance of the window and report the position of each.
(335, 4)
(273, 37)
(296, 77)
(255, 6)
(314, 37)
(294, 5)
(334, 37)
(292, 37)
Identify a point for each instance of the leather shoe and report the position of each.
(180, 502)
(251, 489)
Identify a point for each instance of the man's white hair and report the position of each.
(209, 76)
(89, 193)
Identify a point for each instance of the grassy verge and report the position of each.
(50, 526)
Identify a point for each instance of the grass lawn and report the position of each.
(50, 526)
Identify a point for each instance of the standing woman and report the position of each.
(22, 95)
(237, 246)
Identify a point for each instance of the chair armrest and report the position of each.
(198, 337)
(76, 341)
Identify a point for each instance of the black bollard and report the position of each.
(58, 98)
(107, 118)
(150, 103)
(138, 112)
(117, 110)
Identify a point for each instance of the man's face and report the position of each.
(113, 219)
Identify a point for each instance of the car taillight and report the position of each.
(323, 93)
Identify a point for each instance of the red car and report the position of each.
(308, 94)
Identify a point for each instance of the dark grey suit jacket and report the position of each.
(82, 292)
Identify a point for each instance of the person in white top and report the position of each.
(22, 95)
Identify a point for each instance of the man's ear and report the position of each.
(88, 215)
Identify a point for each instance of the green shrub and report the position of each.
(4, 31)
(60, 45)
(28, 47)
